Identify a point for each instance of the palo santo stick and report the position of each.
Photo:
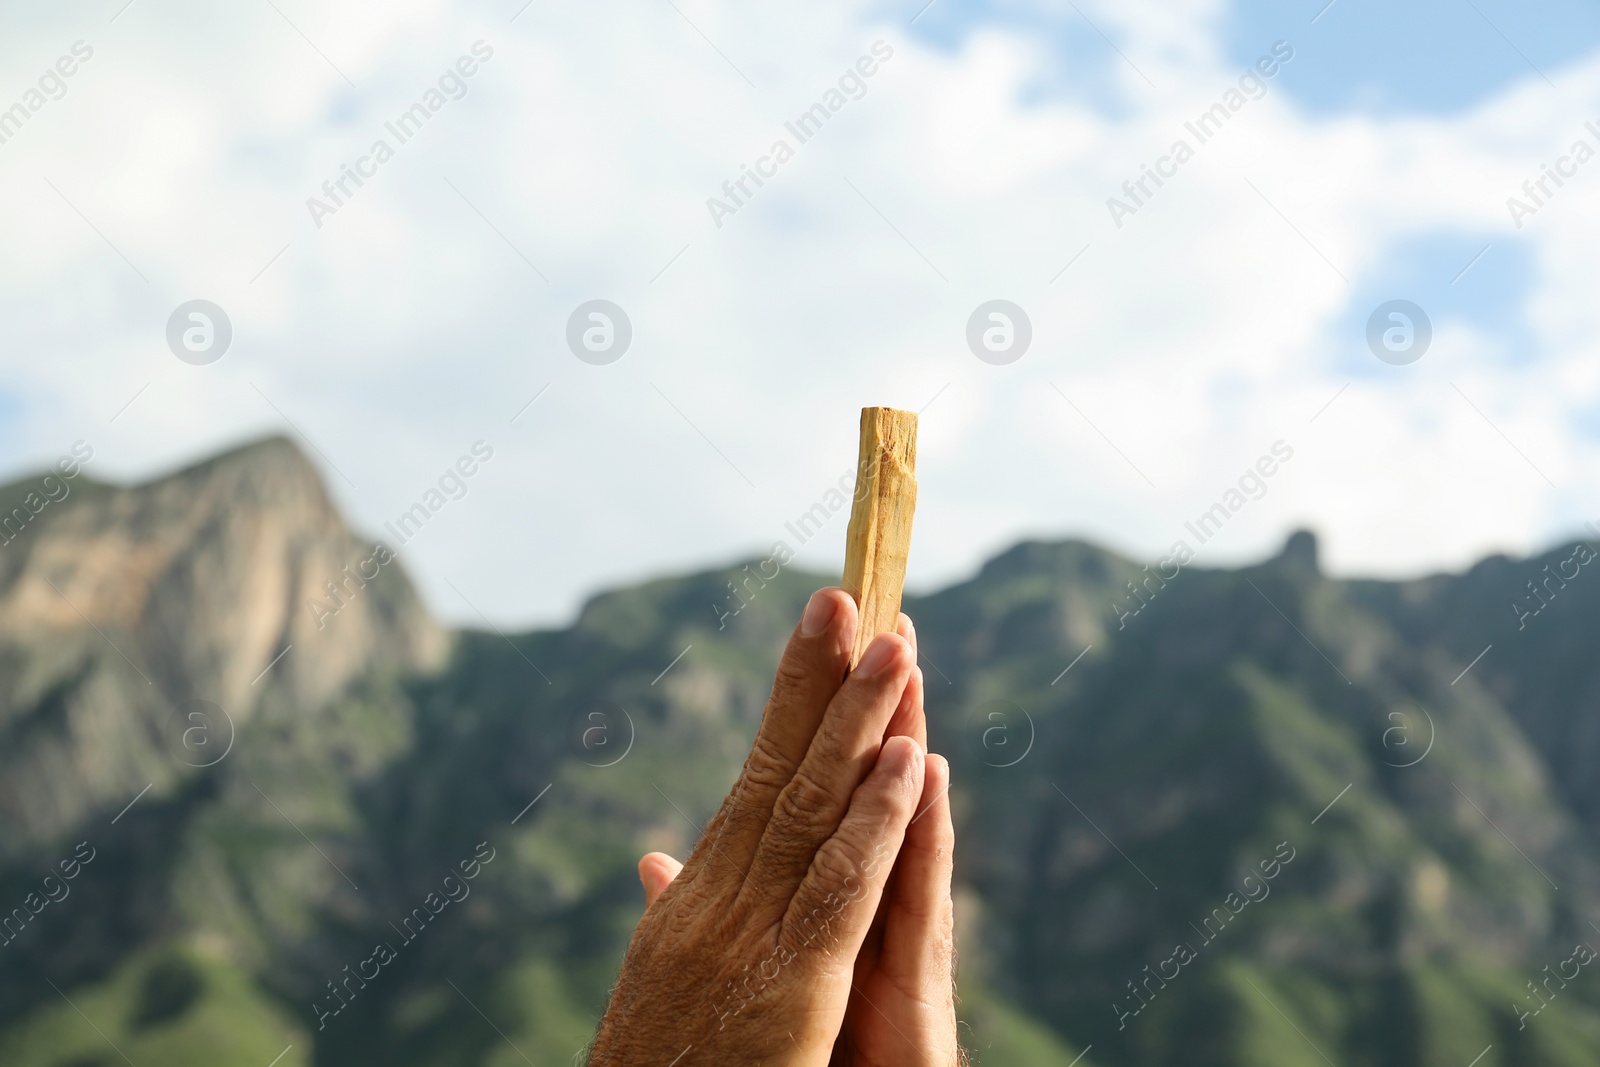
(879, 537)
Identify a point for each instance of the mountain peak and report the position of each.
(1027, 558)
(221, 582)
(277, 449)
(1300, 552)
(269, 470)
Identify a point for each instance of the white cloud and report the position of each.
(406, 328)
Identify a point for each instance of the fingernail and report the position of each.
(898, 754)
(820, 610)
(911, 629)
(878, 655)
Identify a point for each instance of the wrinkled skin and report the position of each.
(812, 924)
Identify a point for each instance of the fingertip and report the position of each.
(829, 618)
(908, 717)
(820, 612)
(900, 756)
(933, 822)
(886, 652)
(656, 872)
(908, 630)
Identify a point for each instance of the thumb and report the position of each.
(656, 872)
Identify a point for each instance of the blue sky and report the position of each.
(1412, 57)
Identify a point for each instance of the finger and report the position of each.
(908, 720)
(656, 872)
(809, 675)
(908, 717)
(918, 939)
(833, 906)
(846, 745)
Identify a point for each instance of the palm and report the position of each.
(882, 1019)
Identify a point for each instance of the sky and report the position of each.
(1231, 318)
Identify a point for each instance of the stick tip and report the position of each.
(891, 431)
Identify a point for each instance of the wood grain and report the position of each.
(878, 541)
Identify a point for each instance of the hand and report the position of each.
(752, 952)
(902, 1006)
(902, 1010)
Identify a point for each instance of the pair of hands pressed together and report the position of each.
(812, 925)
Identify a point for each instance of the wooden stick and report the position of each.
(879, 537)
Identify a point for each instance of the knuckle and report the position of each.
(736, 815)
(833, 884)
(684, 920)
(753, 987)
(832, 731)
(839, 863)
(924, 913)
(681, 924)
(766, 767)
(740, 820)
(885, 804)
(938, 852)
(792, 681)
(806, 802)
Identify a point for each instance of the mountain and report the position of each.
(118, 606)
(1205, 817)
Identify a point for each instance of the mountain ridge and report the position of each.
(1119, 779)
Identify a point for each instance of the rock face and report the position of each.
(120, 608)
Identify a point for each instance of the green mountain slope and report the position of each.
(1260, 821)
